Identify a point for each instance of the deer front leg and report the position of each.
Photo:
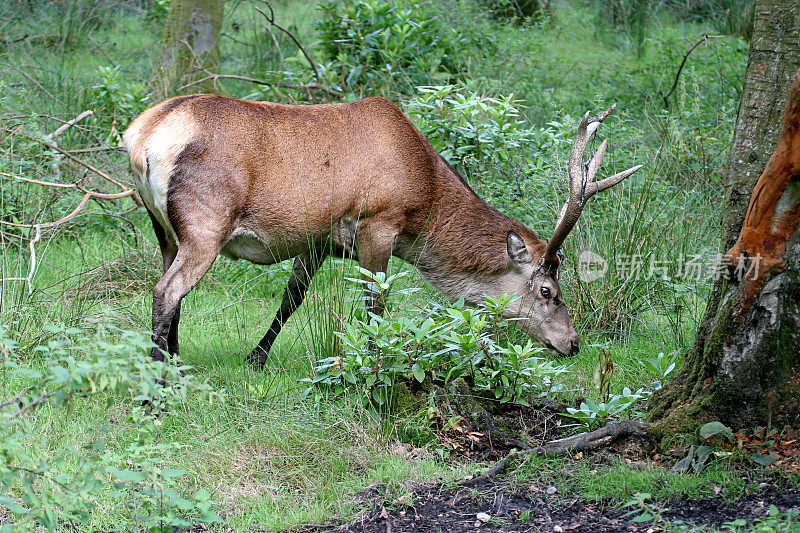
(374, 243)
(303, 270)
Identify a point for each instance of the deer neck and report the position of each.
(462, 251)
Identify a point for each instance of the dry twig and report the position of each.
(703, 39)
(271, 19)
(578, 443)
(29, 278)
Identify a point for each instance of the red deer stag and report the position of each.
(267, 182)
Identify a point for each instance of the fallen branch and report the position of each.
(307, 86)
(29, 278)
(85, 165)
(704, 39)
(50, 140)
(87, 195)
(65, 126)
(584, 442)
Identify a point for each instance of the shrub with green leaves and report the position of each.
(466, 127)
(440, 344)
(590, 415)
(56, 485)
(116, 102)
(370, 42)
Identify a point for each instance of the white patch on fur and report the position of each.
(162, 148)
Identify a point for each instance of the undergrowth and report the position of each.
(500, 98)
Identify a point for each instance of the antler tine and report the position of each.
(609, 182)
(576, 158)
(594, 164)
(581, 183)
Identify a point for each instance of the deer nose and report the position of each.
(575, 347)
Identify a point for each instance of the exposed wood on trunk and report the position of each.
(774, 211)
(744, 367)
(774, 58)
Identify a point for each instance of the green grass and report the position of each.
(264, 449)
(620, 482)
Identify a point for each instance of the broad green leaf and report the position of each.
(716, 429)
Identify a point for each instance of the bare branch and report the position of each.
(311, 86)
(16, 397)
(64, 127)
(39, 182)
(271, 19)
(277, 48)
(592, 440)
(52, 143)
(80, 162)
(29, 278)
(703, 39)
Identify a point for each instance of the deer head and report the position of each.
(541, 310)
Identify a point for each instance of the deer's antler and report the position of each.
(581, 184)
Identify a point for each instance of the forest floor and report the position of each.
(532, 497)
(496, 505)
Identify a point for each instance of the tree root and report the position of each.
(592, 440)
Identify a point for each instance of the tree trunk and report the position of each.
(190, 47)
(774, 58)
(744, 367)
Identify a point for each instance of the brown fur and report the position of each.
(235, 173)
(405, 178)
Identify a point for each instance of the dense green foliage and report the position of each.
(499, 97)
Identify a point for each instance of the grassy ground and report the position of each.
(270, 458)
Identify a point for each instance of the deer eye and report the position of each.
(545, 292)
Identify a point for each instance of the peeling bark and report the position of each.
(190, 47)
(744, 368)
(774, 58)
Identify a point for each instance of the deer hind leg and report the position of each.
(191, 262)
(168, 252)
(303, 270)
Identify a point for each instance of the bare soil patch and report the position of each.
(439, 509)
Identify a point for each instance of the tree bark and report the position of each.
(774, 58)
(744, 368)
(190, 47)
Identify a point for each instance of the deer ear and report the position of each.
(517, 249)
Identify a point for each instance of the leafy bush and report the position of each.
(591, 415)
(117, 103)
(468, 127)
(662, 365)
(441, 344)
(59, 487)
(370, 42)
